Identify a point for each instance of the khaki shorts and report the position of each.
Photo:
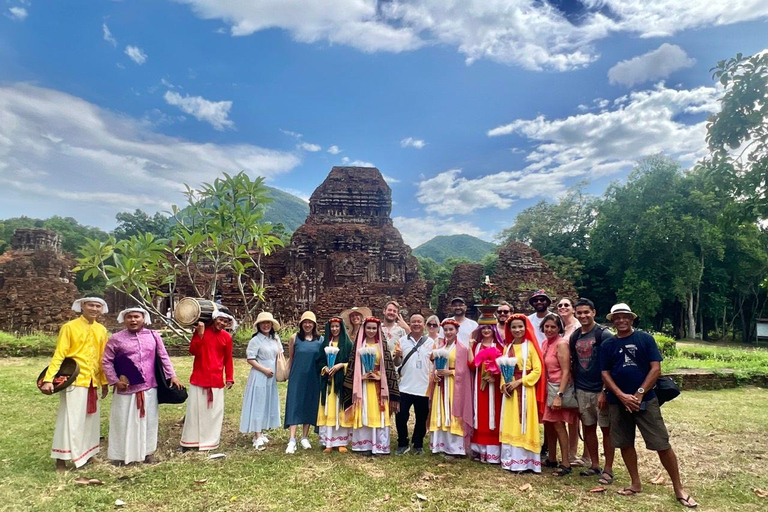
(588, 410)
(649, 422)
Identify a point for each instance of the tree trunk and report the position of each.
(691, 320)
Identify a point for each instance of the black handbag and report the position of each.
(166, 394)
(666, 389)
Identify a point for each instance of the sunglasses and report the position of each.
(563, 305)
(433, 325)
(503, 311)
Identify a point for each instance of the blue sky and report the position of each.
(473, 110)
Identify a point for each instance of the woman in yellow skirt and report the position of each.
(331, 421)
(450, 392)
(524, 399)
(370, 394)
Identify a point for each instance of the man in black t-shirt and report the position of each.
(631, 364)
(588, 381)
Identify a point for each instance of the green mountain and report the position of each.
(458, 246)
(292, 211)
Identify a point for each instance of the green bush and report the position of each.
(667, 345)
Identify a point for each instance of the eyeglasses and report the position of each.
(433, 325)
(563, 306)
(503, 311)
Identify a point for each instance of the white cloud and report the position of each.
(60, 152)
(417, 230)
(17, 13)
(107, 34)
(295, 135)
(528, 33)
(356, 163)
(589, 145)
(308, 146)
(136, 54)
(389, 179)
(654, 65)
(214, 112)
(410, 142)
(334, 150)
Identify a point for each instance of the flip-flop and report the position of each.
(686, 502)
(605, 481)
(628, 492)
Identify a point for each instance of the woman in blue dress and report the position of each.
(261, 402)
(304, 350)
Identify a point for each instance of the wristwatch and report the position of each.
(560, 395)
(641, 391)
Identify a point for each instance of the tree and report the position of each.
(738, 134)
(220, 231)
(139, 222)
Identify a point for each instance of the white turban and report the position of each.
(77, 306)
(147, 318)
(216, 314)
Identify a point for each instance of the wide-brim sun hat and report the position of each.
(265, 316)
(68, 369)
(308, 315)
(620, 308)
(363, 311)
(539, 293)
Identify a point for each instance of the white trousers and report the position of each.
(131, 437)
(202, 426)
(76, 437)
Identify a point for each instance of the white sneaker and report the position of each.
(305, 443)
(265, 438)
(291, 448)
(259, 444)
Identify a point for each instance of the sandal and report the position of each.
(629, 492)
(590, 472)
(550, 463)
(686, 502)
(578, 462)
(562, 471)
(606, 481)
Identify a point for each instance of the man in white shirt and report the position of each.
(412, 359)
(466, 325)
(540, 302)
(390, 327)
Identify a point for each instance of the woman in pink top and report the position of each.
(557, 364)
(570, 324)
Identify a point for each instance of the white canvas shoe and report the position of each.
(291, 448)
(259, 444)
(305, 443)
(265, 438)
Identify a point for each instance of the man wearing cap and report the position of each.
(77, 433)
(212, 347)
(129, 365)
(540, 302)
(466, 325)
(631, 364)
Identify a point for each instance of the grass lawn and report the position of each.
(721, 438)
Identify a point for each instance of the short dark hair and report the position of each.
(584, 302)
(555, 318)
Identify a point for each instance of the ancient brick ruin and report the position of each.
(347, 253)
(36, 283)
(520, 271)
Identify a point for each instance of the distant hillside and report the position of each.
(458, 246)
(292, 211)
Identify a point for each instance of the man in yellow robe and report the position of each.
(77, 432)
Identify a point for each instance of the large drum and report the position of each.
(191, 310)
